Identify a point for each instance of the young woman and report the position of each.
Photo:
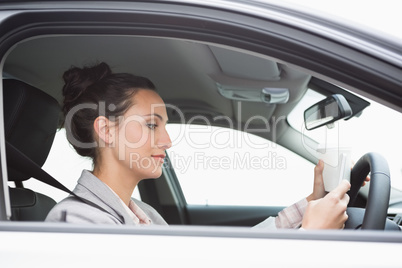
(119, 121)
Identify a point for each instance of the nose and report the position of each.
(164, 141)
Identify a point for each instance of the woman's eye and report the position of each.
(152, 126)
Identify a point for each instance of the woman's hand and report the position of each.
(318, 188)
(328, 212)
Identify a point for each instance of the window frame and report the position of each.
(324, 55)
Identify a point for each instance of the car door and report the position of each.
(335, 52)
(258, 35)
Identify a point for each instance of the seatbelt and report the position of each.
(21, 162)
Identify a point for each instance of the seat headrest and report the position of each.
(31, 119)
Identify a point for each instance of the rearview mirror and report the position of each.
(327, 111)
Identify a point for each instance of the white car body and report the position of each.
(60, 245)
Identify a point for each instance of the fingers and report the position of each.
(344, 219)
(319, 168)
(342, 206)
(318, 187)
(366, 180)
(345, 198)
(328, 212)
(341, 189)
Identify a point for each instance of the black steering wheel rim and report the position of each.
(379, 193)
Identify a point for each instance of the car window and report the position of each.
(221, 166)
(377, 129)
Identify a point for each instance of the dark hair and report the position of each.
(95, 91)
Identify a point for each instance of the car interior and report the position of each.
(201, 80)
(31, 119)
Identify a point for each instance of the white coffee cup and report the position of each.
(337, 165)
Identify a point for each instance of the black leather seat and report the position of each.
(31, 119)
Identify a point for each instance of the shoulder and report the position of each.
(72, 210)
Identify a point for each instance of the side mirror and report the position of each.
(327, 111)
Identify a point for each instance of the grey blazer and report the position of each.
(99, 205)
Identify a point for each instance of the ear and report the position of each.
(102, 127)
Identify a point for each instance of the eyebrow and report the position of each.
(157, 115)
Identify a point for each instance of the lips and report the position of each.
(159, 157)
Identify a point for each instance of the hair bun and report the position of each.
(77, 80)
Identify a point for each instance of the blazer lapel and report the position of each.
(98, 194)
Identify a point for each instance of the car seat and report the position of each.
(31, 119)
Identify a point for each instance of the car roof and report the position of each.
(354, 38)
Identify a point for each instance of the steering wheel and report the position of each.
(375, 214)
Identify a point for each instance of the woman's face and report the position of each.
(142, 137)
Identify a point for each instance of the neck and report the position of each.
(119, 179)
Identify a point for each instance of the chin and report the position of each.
(155, 173)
